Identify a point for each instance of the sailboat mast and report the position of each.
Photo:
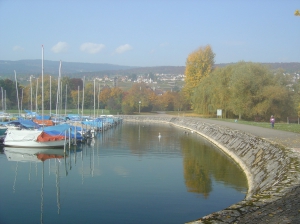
(94, 98)
(5, 101)
(98, 95)
(2, 99)
(43, 86)
(78, 101)
(31, 95)
(66, 100)
(50, 97)
(58, 88)
(36, 93)
(17, 93)
(83, 95)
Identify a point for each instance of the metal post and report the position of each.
(140, 107)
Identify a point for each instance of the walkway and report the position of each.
(287, 139)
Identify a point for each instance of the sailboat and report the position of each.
(37, 138)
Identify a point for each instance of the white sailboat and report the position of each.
(36, 138)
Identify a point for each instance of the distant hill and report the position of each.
(34, 67)
(75, 69)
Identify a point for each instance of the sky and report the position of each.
(149, 32)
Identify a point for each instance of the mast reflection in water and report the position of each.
(133, 173)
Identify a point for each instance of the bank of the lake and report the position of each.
(269, 158)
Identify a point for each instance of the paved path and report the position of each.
(286, 209)
(287, 139)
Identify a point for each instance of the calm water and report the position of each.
(126, 175)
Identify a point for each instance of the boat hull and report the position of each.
(28, 139)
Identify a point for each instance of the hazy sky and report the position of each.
(149, 32)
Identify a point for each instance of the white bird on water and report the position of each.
(159, 136)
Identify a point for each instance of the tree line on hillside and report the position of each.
(243, 90)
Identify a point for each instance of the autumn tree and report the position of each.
(114, 103)
(180, 102)
(202, 97)
(297, 13)
(199, 64)
(169, 101)
(140, 96)
(213, 92)
(105, 95)
(111, 98)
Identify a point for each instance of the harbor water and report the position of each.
(132, 173)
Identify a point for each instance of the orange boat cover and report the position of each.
(45, 122)
(44, 137)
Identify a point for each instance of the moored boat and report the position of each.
(33, 139)
(3, 130)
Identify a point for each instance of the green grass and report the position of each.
(278, 126)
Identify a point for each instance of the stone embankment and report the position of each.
(272, 170)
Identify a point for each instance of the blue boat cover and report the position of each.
(57, 129)
(93, 123)
(24, 122)
(30, 113)
(39, 117)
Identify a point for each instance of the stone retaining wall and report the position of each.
(272, 171)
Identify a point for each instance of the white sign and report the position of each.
(219, 112)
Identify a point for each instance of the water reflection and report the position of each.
(202, 162)
(151, 139)
(35, 156)
(123, 170)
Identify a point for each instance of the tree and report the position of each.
(245, 89)
(246, 82)
(9, 91)
(105, 95)
(255, 91)
(297, 13)
(74, 83)
(114, 102)
(217, 88)
(199, 64)
(274, 99)
(89, 95)
(164, 102)
(202, 97)
(180, 102)
(138, 97)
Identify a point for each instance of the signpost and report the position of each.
(219, 113)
